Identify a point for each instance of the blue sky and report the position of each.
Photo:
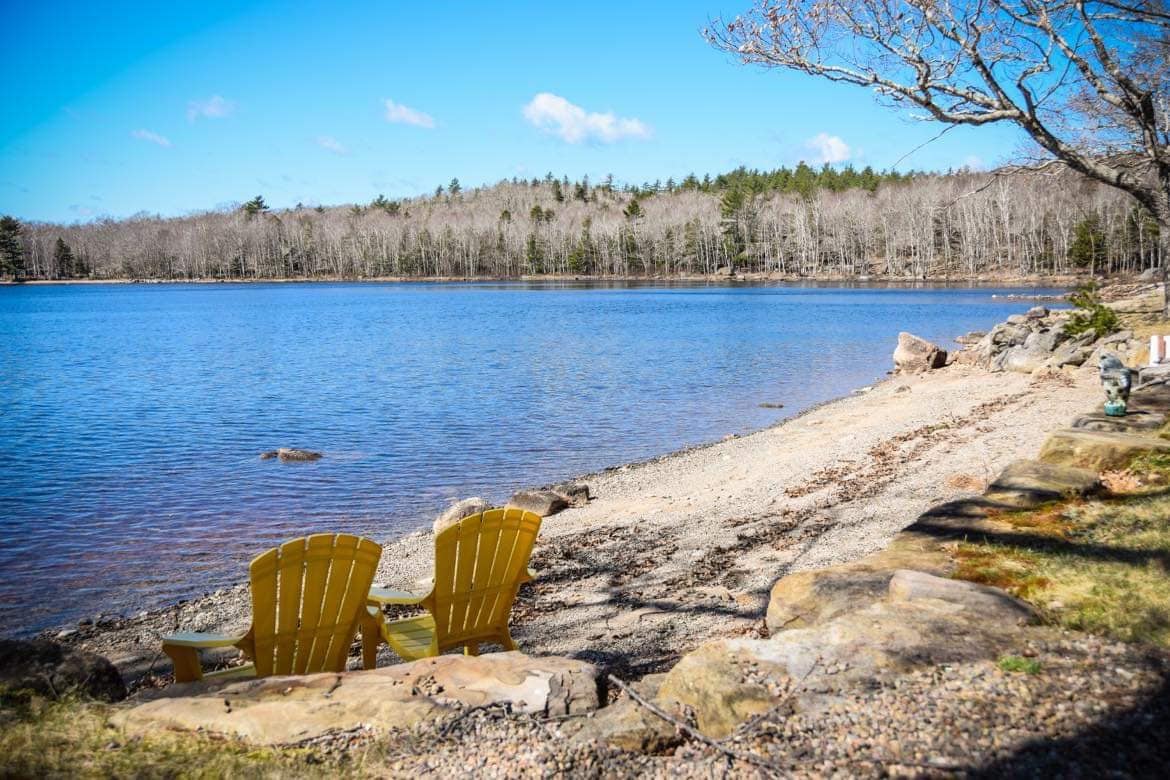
(117, 107)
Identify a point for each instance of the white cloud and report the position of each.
(214, 107)
(975, 163)
(154, 138)
(405, 115)
(829, 148)
(573, 124)
(332, 144)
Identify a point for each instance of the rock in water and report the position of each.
(51, 669)
(915, 355)
(290, 453)
(542, 502)
(460, 510)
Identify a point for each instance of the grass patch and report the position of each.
(1101, 566)
(70, 738)
(1018, 665)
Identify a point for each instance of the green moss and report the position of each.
(1016, 664)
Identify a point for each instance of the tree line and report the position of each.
(794, 222)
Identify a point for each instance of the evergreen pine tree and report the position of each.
(255, 206)
(11, 247)
(63, 259)
(1088, 246)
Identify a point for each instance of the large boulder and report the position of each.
(50, 669)
(994, 604)
(1099, 450)
(1029, 483)
(459, 510)
(288, 710)
(542, 502)
(728, 681)
(809, 598)
(914, 355)
(576, 494)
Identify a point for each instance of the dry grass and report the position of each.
(40, 738)
(1102, 566)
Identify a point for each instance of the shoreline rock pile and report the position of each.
(1037, 340)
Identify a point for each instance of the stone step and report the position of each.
(1099, 450)
(1133, 422)
(1029, 483)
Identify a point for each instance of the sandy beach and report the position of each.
(682, 549)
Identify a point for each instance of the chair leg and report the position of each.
(507, 642)
(186, 663)
(471, 648)
(371, 638)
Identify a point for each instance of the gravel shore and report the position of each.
(684, 548)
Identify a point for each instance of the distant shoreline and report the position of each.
(750, 278)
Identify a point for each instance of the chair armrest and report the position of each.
(197, 639)
(384, 596)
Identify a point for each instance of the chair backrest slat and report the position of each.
(306, 600)
(479, 564)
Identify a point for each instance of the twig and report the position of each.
(925, 143)
(750, 758)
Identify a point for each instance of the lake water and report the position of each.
(132, 417)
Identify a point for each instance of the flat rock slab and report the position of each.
(288, 710)
(1133, 422)
(1099, 450)
(1029, 483)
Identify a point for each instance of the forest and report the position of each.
(790, 222)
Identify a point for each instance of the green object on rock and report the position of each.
(1115, 408)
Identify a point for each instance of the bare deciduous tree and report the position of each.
(1086, 80)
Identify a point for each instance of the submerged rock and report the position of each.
(47, 668)
(915, 354)
(290, 453)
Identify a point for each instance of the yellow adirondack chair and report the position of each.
(480, 563)
(308, 600)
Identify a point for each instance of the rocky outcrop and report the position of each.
(541, 502)
(47, 668)
(1036, 341)
(289, 710)
(914, 355)
(459, 510)
(291, 454)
